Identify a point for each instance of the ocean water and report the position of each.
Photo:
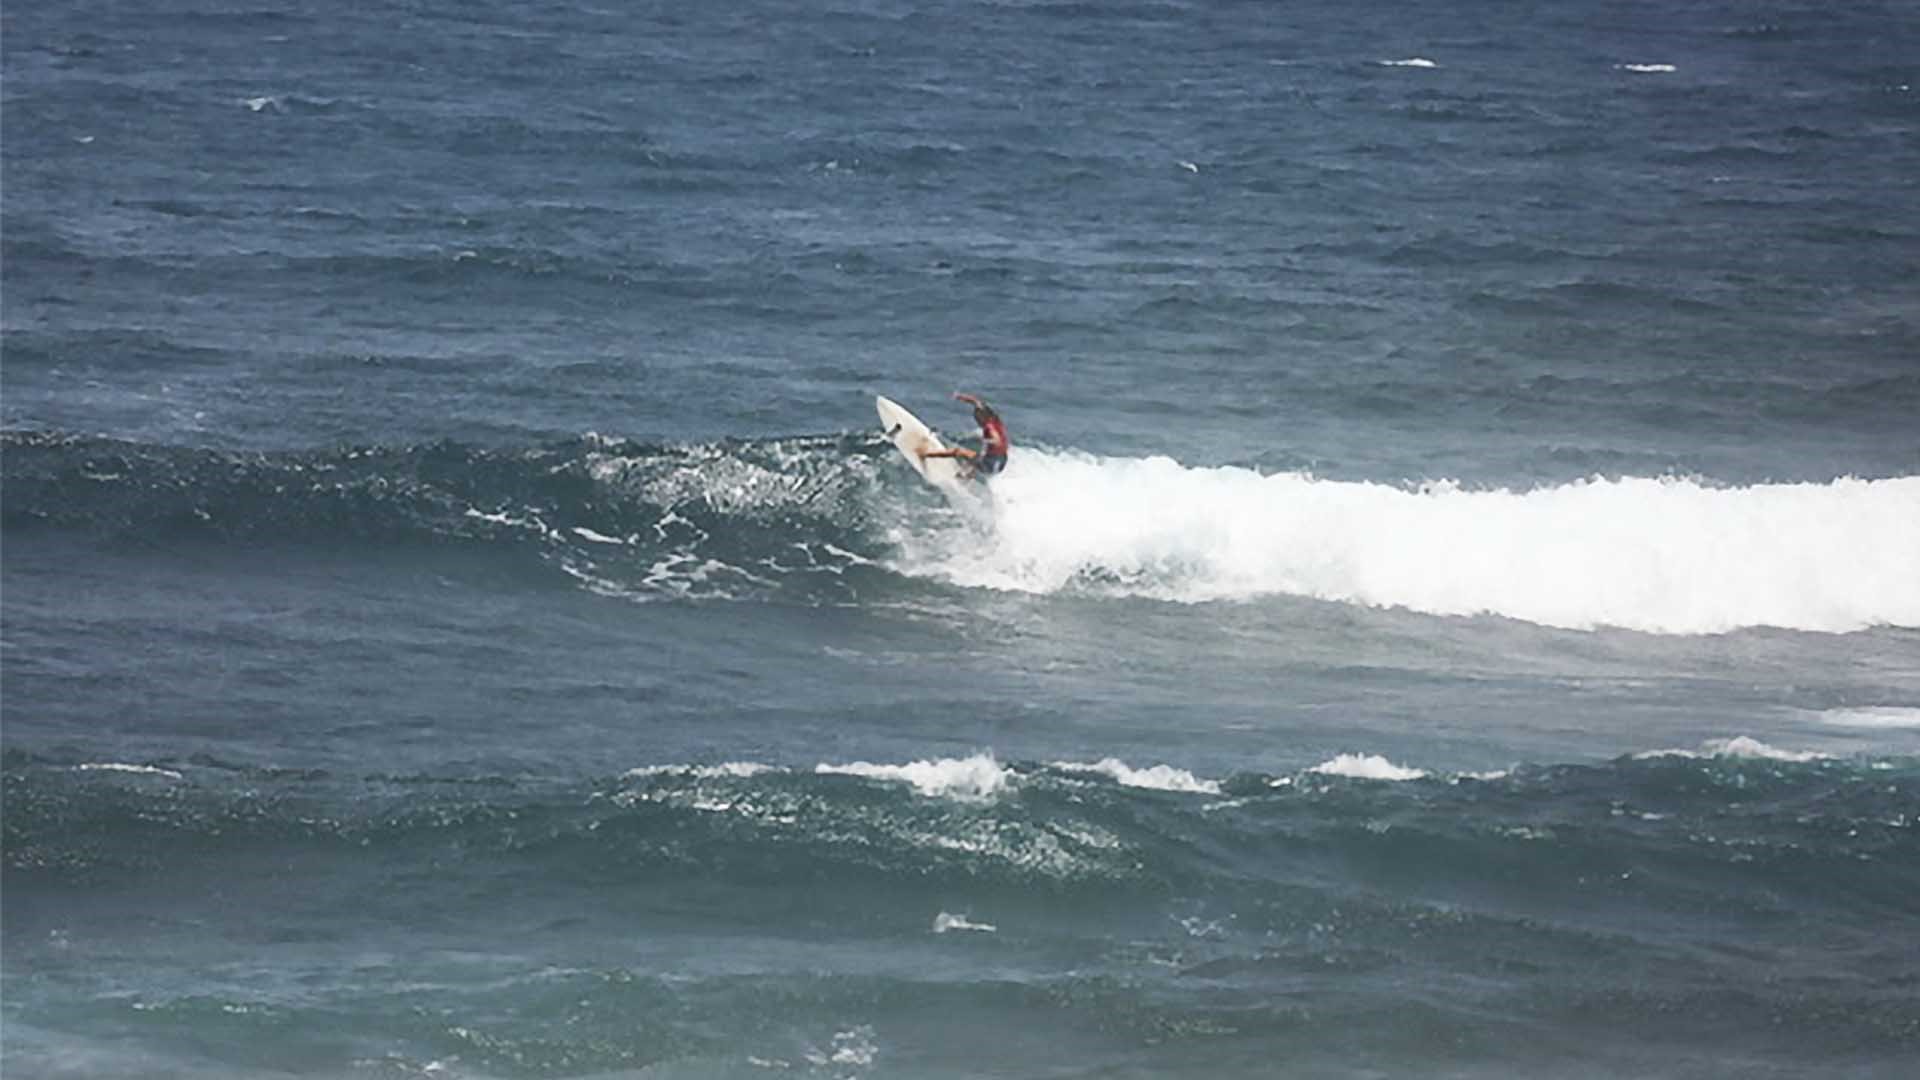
(1453, 608)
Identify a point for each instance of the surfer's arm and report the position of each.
(953, 452)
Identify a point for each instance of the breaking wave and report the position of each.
(838, 519)
(1667, 555)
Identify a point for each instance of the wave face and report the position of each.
(1081, 893)
(833, 518)
(691, 521)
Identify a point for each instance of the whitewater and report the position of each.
(1666, 555)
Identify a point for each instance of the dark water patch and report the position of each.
(1613, 296)
(1610, 461)
(1765, 31)
(1806, 133)
(358, 362)
(104, 353)
(1443, 107)
(1728, 154)
(1598, 300)
(1462, 252)
(1715, 401)
(37, 244)
(184, 208)
(1865, 231)
(1886, 404)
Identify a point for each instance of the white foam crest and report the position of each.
(713, 476)
(1883, 717)
(975, 777)
(852, 1047)
(944, 922)
(1667, 555)
(724, 770)
(1366, 767)
(116, 766)
(1410, 62)
(1648, 69)
(1739, 746)
(1157, 777)
(531, 522)
(1742, 746)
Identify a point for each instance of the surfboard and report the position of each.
(911, 436)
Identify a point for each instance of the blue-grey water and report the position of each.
(1453, 608)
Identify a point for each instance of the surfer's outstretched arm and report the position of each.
(953, 452)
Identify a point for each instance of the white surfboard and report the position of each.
(912, 436)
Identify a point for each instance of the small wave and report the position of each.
(1367, 767)
(738, 770)
(274, 103)
(115, 766)
(1742, 746)
(970, 778)
(1410, 62)
(1648, 69)
(1157, 777)
(963, 831)
(944, 922)
(1739, 746)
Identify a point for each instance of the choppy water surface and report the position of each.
(1453, 609)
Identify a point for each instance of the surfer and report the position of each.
(994, 444)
